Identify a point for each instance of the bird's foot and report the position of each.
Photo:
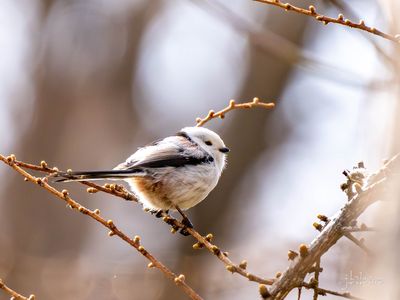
(158, 213)
(186, 222)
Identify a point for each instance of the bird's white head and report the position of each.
(210, 141)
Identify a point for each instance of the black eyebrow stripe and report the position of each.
(185, 135)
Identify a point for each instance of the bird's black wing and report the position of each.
(174, 160)
(130, 169)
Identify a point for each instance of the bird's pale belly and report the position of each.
(167, 191)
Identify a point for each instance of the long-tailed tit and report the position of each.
(176, 172)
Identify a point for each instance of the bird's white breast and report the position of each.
(185, 186)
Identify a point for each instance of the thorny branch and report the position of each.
(14, 295)
(311, 11)
(114, 230)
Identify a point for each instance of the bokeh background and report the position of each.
(84, 83)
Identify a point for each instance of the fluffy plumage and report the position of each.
(179, 170)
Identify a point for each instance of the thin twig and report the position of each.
(112, 189)
(345, 7)
(14, 295)
(316, 278)
(359, 229)
(114, 230)
(326, 20)
(232, 105)
(359, 243)
(324, 292)
(222, 256)
(271, 43)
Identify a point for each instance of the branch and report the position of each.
(221, 255)
(14, 294)
(232, 105)
(324, 292)
(121, 192)
(316, 279)
(362, 228)
(113, 229)
(359, 243)
(326, 20)
(294, 276)
(202, 241)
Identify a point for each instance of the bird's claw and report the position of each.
(158, 213)
(186, 222)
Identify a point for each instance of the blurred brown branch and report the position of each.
(324, 292)
(14, 295)
(311, 11)
(95, 214)
(269, 43)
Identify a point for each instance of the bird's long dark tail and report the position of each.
(94, 175)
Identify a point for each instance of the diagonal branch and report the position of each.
(326, 20)
(113, 229)
(14, 295)
(119, 191)
(358, 242)
(324, 292)
(294, 276)
(316, 278)
(362, 228)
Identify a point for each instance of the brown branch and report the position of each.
(232, 105)
(324, 292)
(202, 241)
(112, 189)
(113, 229)
(221, 255)
(311, 11)
(362, 228)
(14, 295)
(301, 266)
(316, 279)
(294, 276)
(358, 242)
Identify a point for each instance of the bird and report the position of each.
(173, 173)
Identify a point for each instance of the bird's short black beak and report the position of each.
(224, 150)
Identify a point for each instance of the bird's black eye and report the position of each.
(208, 143)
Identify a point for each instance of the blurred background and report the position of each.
(84, 83)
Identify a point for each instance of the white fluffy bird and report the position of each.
(176, 172)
